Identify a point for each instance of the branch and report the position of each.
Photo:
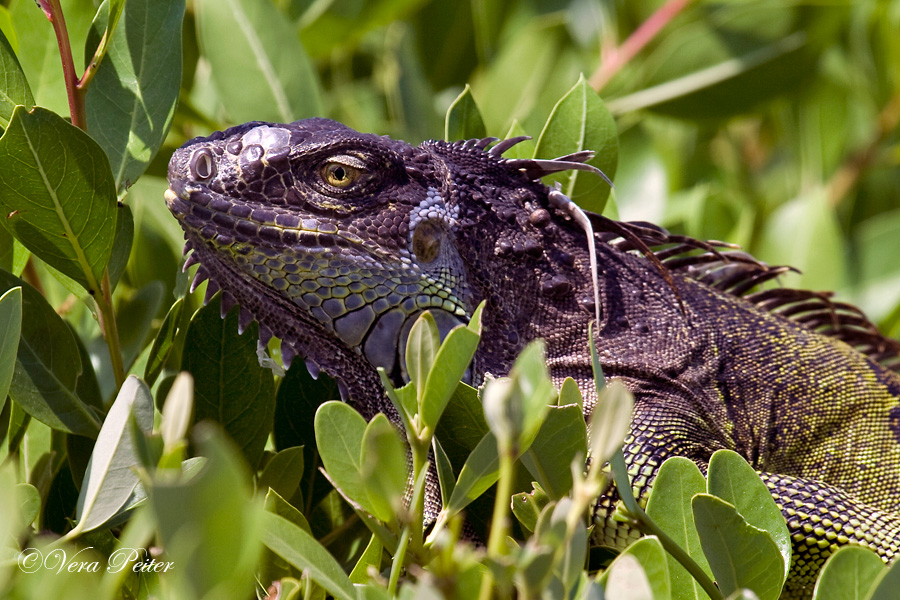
(616, 58)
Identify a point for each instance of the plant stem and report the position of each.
(499, 519)
(848, 175)
(399, 557)
(75, 91)
(616, 58)
(110, 329)
(646, 524)
(54, 14)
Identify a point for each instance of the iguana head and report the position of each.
(335, 241)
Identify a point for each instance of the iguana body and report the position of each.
(334, 241)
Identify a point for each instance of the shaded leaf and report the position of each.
(162, 344)
(303, 551)
(463, 121)
(561, 438)
(131, 99)
(110, 478)
(10, 332)
(258, 65)
(740, 555)
(230, 386)
(669, 505)
(15, 88)
(849, 573)
(580, 121)
(527, 507)
(736, 482)
(48, 366)
(283, 472)
(56, 183)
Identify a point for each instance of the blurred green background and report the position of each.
(772, 124)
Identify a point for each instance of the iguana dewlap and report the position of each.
(334, 241)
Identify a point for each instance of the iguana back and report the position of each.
(335, 241)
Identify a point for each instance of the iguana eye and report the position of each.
(202, 165)
(341, 171)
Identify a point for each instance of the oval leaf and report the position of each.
(453, 358)
(15, 90)
(734, 481)
(258, 65)
(228, 379)
(581, 121)
(561, 438)
(58, 193)
(464, 120)
(383, 467)
(669, 505)
(10, 332)
(304, 552)
(339, 435)
(739, 554)
(848, 573)
(110, 478)
(48, 366)
(131, 101)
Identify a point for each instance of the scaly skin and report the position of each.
(335, 241)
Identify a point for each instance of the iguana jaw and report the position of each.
(329, 297)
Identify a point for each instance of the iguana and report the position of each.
(334, 241)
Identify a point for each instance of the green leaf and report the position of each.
(452, 359)
(561, 438)
(110, 478)
(212, 509)
(383, 468)
(371, 556)
(163, 343)
(481, 471)
(736, 482)
(283, 472)
(134, 317)
(740, 555)
(580, 121)
(56, 187)
(885, 585)
(446, 478)
(48, 366)
(177, 411)
(15, 88)
(303, 551)
(527, 507)
(806, 233)
(463, 120)
(525, 148)
(652, 577)
(259, 67)
(228, 379)
(131, 101)
(421, 348)
(339, 437)
(849, 573)
(610, 420)
(39, 53)
(570, 394)
(669, 505)
(29, 499)
(272, 566)
(10, 333)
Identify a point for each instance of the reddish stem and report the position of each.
(617, 58)
(54, 13)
